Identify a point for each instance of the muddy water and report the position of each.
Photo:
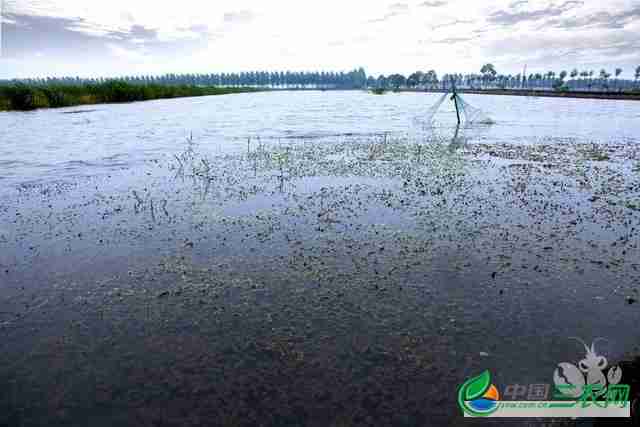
(308, 258)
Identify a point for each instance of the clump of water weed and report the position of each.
(633, 206)
(594, 153)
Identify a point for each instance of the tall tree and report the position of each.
(559, 84)
(382, 82)
(415, 79)
(431, 78)
(397, 80)
(360, 78)
(604, 76)
(488, 72)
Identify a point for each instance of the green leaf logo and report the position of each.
(472, 389)
(477, 386)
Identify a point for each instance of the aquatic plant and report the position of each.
(633, 206)
(594, 153)
(376, 149)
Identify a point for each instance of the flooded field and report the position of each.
(308, 258)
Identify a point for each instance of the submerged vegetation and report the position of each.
(333, 272)
(24, 97)
(594, 153)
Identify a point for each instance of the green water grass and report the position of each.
(23, 97)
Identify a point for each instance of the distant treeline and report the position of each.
(330, 80)
(21, 95)
(27, 94)
(487, 78)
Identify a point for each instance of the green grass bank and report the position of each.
(22, 97)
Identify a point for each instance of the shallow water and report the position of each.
(49, 144)
(371, 265)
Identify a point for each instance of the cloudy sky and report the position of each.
(126, 37)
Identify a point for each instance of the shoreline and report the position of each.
(509, 92)
(541, 93)
(6, 105)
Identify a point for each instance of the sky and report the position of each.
(91, 38)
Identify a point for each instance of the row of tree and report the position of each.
(573, 80)
(488, 78)
(347, 80)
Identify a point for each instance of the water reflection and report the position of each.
(457, 142)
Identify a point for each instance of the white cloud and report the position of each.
(126, 54)
(382, 35)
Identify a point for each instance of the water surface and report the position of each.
(308, 257)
